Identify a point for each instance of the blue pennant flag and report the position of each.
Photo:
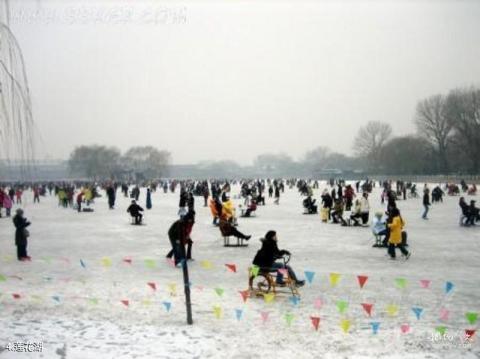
(418, 312)
(375, 326)
(56, 298)
(82, 263)
(295, 300)
(238, 313)
(309, 276)
(167, 305)
(448, 287)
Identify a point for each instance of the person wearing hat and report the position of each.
(21, 235)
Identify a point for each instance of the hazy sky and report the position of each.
(231, 80)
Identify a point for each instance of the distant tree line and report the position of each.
(100, 162)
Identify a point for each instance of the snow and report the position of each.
(88, 320)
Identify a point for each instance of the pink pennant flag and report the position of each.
(152, 285)
(405, 328)
(245, 294)
(127, 260)
(232, 267)
(125, 302)
(362, 279)
(317, 303)
(425, 283)
(444, 313)
(368, 308)
(315, 322)
(264, 316)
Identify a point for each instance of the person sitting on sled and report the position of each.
(134, 209)
(269, 253)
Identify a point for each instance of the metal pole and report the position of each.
(186, 284)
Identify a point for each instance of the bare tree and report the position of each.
(370, 140)
(146, 161)
(434, 126)
(94, 161)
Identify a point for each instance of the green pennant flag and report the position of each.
(342, 306)
(289, 318)
(219, 291)
(441, 329)
(149, 263)
(471, 317)
(93, 301)
(254, 270)
(401, 283)
(3, 278)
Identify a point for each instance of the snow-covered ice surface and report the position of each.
(76, 311)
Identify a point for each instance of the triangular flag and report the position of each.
(146, 302)
(315, 322)
(342, 306)
(448, 287)
(418, 311)
(232, 267)
(93, 301)
(471, 317)
(294, 299)
(3, 278)
(125, 302)
(425, 283)
(82, 263)
(289, 318)
(368, 308)
(16, 296)
(444, 313)
(362, 279)
(269, 297)
(392, 310)
(56, 298)
(254, 270)
(283, 271)
(152, 285)
(441, 329)
(469, 333)
(375, 326)
(217, 310)
(401, 283)
(317, 303)
(238, 313)
(345, 325)
(405, 328)
(37, 298)
(245, 294)
(206, 264)
(334, 278)
(106, 262)
(219, 291)
(173, 288)
(309, 275)
(127, 260)
(264, 316)
(167, 306)
(149, 263)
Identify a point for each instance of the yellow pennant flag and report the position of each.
(217, 310)
(106, 262)
(269, 297)
(146, 302)
(8, 258)
(392, 310)
(37, 298)
(173, 288)
(206, 264)
(345, 325)
(334, 279)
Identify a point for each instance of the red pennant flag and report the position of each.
(232, 267)
(152, 285)
(368, 308)
(125, 302)
(127, 260)
(245, 294)
(469, 333)
(425, 283)
(315, 322)
(362, 279)
(16, 296)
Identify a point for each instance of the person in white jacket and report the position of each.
(364, 208)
